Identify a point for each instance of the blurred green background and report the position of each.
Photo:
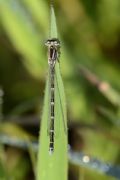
(89, 31)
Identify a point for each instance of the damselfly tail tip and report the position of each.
(51, 150)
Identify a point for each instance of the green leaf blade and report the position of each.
(53, 25)
(53, 166)
(23, 36)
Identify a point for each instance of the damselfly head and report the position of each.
(52, 42)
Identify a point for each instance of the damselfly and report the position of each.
(53, 46)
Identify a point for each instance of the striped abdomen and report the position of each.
(52, 114)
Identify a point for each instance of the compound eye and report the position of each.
(57, 43)
(47, 43)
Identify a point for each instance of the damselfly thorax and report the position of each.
(53, 50)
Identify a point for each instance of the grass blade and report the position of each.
(53, 167)
(53, 26)
(23, 35)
